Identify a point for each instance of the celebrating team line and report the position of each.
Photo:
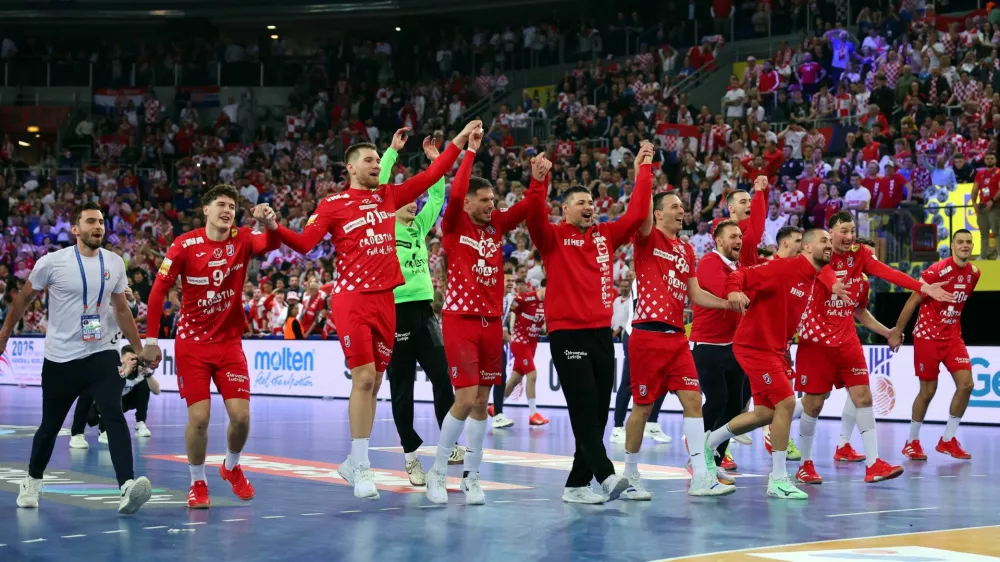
(748, 311)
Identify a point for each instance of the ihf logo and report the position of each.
(883, 393)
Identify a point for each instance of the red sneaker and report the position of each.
(953, 448)
(728, 463)
(882, 470)
(241, 486)
(198, 496)
(913, 451)
(807, 474)
(537, 419)
(847, 454)
(489, 410)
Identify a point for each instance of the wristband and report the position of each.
(152, 341)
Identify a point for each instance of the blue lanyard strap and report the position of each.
(83, 275)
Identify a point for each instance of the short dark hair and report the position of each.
(576, 189)
(807, 236)
(960, 231)
(865, 241)
(221, 190)
(840, 217)
(78, 211)
(658, 199)
(127, 348)
(476, 183)
(732, 196)
(352, 151)
(764, 252)
(542, 283)
(785, 232)
(719, 228)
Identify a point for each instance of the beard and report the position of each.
(91, 241)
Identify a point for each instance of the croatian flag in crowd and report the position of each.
(108, 101)
(202, 96)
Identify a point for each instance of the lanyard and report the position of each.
(83, 274)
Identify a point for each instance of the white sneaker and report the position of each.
(635, 491)
(364, 484)
(346, 470)
(618, 436)
(457, 455)
(582, 495)
(724, 477)
(473, 490)
(744, 439)
(78, 442)
(655, 432)
(613, 486)
(27, 496)
(416, 473)
(501, 421)
(134, 494)
(141, 430)
(437, 487)
(709, 485)
(103, 438)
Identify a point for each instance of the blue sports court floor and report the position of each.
(304, 512)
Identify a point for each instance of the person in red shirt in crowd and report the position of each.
(767, 86)
(782, 289)
(871, 151)
(313, 302)
(830, 353)
(659, 351)
(472, 317)
(890, 189)
(362, 223)
(937, 341)
(809, 75)
(577, 254)
(986, 201)
(773, 159)
(809, 186)
(212, 262)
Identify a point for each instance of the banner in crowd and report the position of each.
(959, 199)
(544, 95)
(109, 100)
(317, 368)
(200, 96)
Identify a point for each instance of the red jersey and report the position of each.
(782, 290)
(662, 268)
(889, 191)
(829, 320)
(713, 325)
(752, 228)
(212, 277)
(529, 319)
(939, 321)
(362, 224)
(580, 289)
(311, 305)
(475, 251)
(810, 188)
(986, 183)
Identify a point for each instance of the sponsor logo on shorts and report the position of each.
(689, 381)
(575, 354)
(857, 371)
(962, 360)
(642, 390)
(347, 341)
(384, 349)
(454, 372)
(767, 378)
(237, 378)
(487, 376)
(524, 362)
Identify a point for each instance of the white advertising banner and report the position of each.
(317, 368)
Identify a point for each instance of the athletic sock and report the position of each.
(451, 429)
(718, 436)
(694, 430)
(475, 433)
(232, 459)
(631, 464)
(531, 407)
(914, 431)
(951, 427)
(807, 434)
(410, 457)
(359, 452)
(866, 425)
(197, 472)
(778, 470)
(847, 421)
(797, 413)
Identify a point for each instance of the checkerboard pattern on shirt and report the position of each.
(829, 318)
(940, 321)
(662, 266)
(529, 319)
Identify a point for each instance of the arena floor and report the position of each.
(941, 510)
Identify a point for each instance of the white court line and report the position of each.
(352, 511)
(114, 532)
(883, 511)
(916, 478)
(156, 527)
(232, 520)
(498, 501)
(774, 546)
(72, 536)
(310, 514)
(430, 506)
(190, 523)
(33, 541)
(390, 508)
(310, 422)
(536, 500)
(947, 476)
(273, 517)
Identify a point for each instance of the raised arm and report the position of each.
(509, 218)
(459, 189)
(316, 228)
(435, 197)
(758, 213)
(408, 191)
(537, 220)
(874, 268)
(622, 229)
